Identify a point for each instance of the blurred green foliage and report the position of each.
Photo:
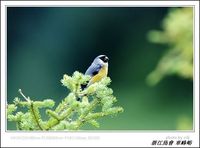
(178, 35)
(44, 43)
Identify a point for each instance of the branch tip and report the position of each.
(27, 99)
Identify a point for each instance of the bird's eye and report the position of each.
(104, 58)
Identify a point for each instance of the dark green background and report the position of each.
(45, 43)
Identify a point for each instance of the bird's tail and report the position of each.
(83, 86)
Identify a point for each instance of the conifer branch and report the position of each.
(70, 114)
(35, 116)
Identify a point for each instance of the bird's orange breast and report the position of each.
(101, 74)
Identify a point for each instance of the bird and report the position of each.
(98, 69)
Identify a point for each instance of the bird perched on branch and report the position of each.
(98, 69)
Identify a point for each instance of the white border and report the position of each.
(99, 3)
(88, 139)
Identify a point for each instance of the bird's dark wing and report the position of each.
(93, 69)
